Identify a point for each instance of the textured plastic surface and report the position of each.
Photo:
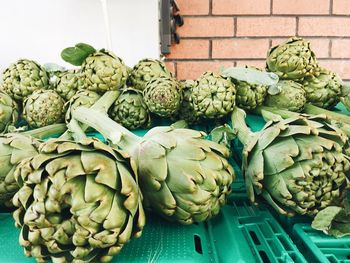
(318, 247)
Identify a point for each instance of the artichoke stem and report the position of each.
(114, 132)
(77, 131)
(238, 123)
(314, 110)
(47, 131)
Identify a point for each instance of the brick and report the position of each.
(324, 26)
(340, 48)
(319, 45)
(194, 48)
(254, 63)
(193, 7)
(341, 7)
(342, 67)
(207, 27)
(170, 66)
(240, 48)
(266, 26)
(239, 7)
(300, 7)
(193, 69)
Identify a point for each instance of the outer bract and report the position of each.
(145, 70)
(85, 98)
(324, 90)
(287, 95)
(292, 59)
(77, 202)
(103, 71)
(42, 108)
(298, 165)
(8, 111)
(163, 96)
(130, 110)
(67, 83)
(23, 78)
(213, 96)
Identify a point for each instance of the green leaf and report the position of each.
(179, 124)
(251, 75)
(223, 135)
(77, 54)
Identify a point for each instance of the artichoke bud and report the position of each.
(8, 111)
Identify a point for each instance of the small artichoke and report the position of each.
(163, 96)
(67, 83)
(23, 78)
(286, 95)
(213, 96)
(324, 90)
(292, 59)
(145, 70)
(298, 165)
(103, 71)
(85, 98)
(345, 96)
(8, 111)
(42, 108)
(130, 110)
(77, 202)
(182, 176)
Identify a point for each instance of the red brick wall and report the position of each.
(239, 32)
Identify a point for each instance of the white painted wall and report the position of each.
(40, 29)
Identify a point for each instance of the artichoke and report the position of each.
(42, 108)
(287, 95)
(213, 96)
(77, 202)
(146, 70)
(130, 110)
(299, 164)
(163, 96)
(84, 98)
(324, 90)
(182, 176)
(103, 71)
(67, 83)
(8, 111)
(23, 78)
(292, 59)
(345, 96)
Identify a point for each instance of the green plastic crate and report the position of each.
(318, 247)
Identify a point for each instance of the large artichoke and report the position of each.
(287, 95)
(183, 177)
(145, 70)
(8, 111)
(293, 59)
(163, 96)
(103, 71)
(42, 108)
(77, 202)
(324, 90)
(23, 78)
(67, 83)
(299, 164)
(213, 96)
(85, 98)
(130, 110)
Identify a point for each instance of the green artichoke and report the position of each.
(23, 78)
(103, 71)
(85, 98)
(77, 202)
(287, 95)
(8, 111)
(345, 96)
(182, 176)
(67, 83)
(163, 96)
(324, 90)
(213, 96)
(299, 164)
(292, 59)
(145, 70)
(42, 108)
(130, 110)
